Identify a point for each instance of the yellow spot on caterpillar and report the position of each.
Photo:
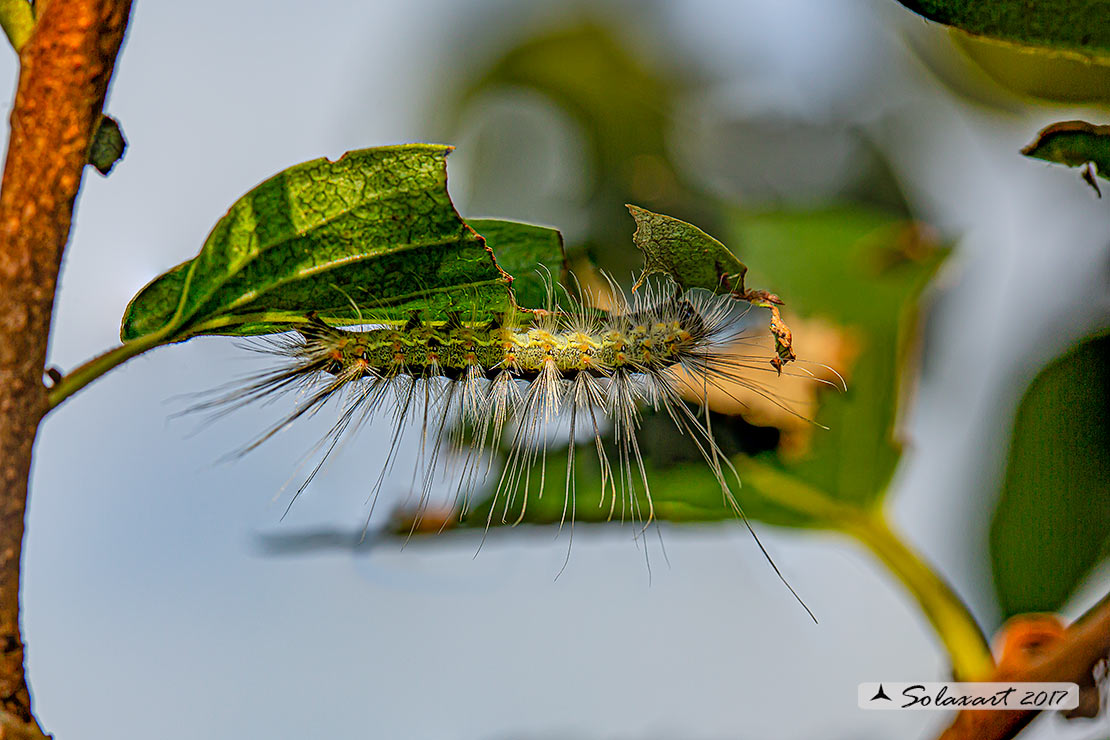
(581, 341)
(542, 339)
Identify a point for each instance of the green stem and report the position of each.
(18, 20)
(967, 647)
(97, 366)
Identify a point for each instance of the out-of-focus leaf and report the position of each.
(1080, 26)
(533, 255)
(863, 271)
(372, 235)
(107, 145)
(698, 499)
(1075, 144)
(811, 162)
(621, 102)
(1038, 72)
(1052, 522)
(684, 493)
(692, 258)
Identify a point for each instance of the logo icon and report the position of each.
(880, 694)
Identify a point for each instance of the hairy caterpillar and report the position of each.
(478, 384)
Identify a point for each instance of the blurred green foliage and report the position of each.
(1052, 523)
(864, 271)
(1053, 49)
(1082, 26)
(624, 107)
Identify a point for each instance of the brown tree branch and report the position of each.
(65, 68)
(1041, 652)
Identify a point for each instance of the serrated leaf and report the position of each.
(694, 259)
(372, 235)
(1080, 26)
(1052, 522)
(533, 255)
(691, 258)
(1075, 144)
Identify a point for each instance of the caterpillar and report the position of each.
(475, 385)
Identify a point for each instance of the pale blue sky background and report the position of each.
(150, 609)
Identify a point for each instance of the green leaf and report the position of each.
(533, 255)
(1075, 144)
(1052, 522)
(372, 235)
(107, 145)
(1081, 26)
(17, 17)
(692, 258)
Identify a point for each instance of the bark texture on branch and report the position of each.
(65, 68)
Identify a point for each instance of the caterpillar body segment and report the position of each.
(496, 389)
(643, 343)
